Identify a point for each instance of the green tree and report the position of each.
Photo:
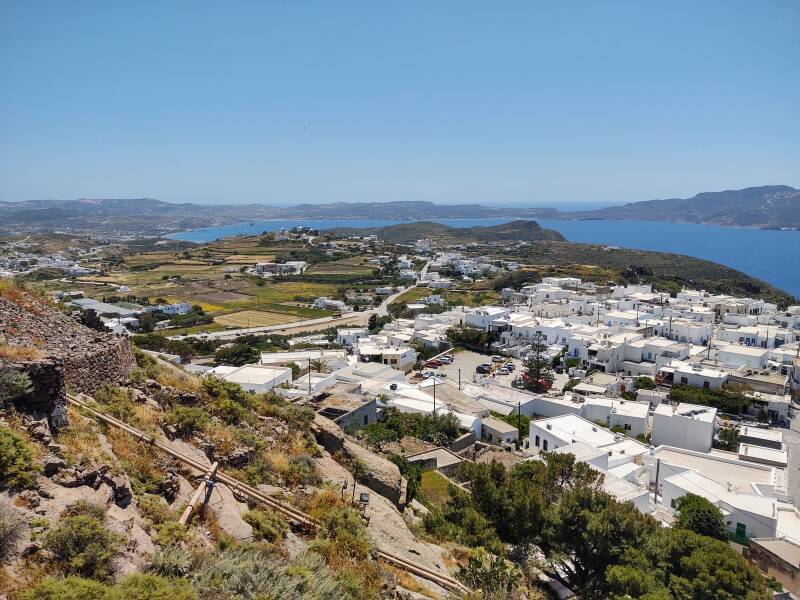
(728, 439)
(697, 514)
(538, 375)
(588, 532)
(236, 355)
(680, 564)
(644, 383)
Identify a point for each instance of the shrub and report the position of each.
(302, 470)
(71, 588)
(170, 533)
(11, 528)
(141, 586)
(187, 419)
(13, 385)
(250, 574)
(82, 546)
(17, 469)
(172, 561)
(342, 537)
(86, 509)
(267, 526)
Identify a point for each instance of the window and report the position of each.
(673, 503)
(544, 444)
(366, 419)
(706, 384)
(627, 426)
(537, 441)
(684, 380)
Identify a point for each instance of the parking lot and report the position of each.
(466, 361)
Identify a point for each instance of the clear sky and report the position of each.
(536, 103)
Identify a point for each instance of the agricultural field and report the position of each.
(356, 265)
(253, 318)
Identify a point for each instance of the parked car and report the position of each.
(511, 366)
(446, 359)
(503, 371)
(497, 358)
(483, 369)
(432, 364)
(428, 374)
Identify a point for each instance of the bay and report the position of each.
(770, 255)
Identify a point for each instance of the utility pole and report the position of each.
(434, 395)
(459, 374)
(309, 375)
(519, 418)
(658, 470)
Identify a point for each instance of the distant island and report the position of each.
(772, 207)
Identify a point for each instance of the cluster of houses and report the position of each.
(16, 258)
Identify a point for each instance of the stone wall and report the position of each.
(87, 369)
(49, 397)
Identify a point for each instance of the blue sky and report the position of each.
(534, 103)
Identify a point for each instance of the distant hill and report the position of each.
(768, 206)
(408, 233)
(773, 206)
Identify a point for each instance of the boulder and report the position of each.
(52, 465)
(382, 476)
(329, 435)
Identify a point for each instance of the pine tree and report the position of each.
(538, 376)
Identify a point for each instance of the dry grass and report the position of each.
(407, 581)
(19, 353)
(81, 438)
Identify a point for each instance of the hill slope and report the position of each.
(770, 206)
(407, 233)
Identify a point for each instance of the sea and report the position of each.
(768, 254)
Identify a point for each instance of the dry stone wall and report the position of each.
(63, 353)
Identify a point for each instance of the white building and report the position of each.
(178, 308)
(686, 426)
(616, 412)
(324, 303)
(254, 378)
(550, 434)
(349, 337)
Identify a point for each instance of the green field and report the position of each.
(254, 318)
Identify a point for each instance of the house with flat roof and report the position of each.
(551, 434)
(686, 425)
(498, 432)
(617, 412)
(254, 378)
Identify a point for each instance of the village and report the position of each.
(664, 395)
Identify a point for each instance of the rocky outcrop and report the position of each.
(381, 476)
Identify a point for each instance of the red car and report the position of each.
(432, 364)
